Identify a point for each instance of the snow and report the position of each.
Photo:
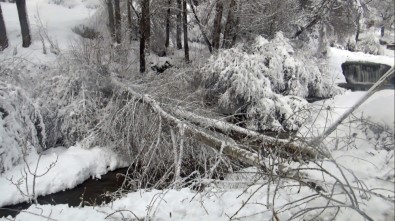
(46, 19)
(73, 166)
(339, 56)
(354, 146)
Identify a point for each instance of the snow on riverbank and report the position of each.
(338, 56)
(72, 166)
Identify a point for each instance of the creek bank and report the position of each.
(90, 192)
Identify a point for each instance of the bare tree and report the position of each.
(24, 22)
(185, 27)
(385, 11)
(178, 31)
(111, 23)
(144, 32)
(199, 23)
(117, 21)
(130, 23)
(3, 32)
(217, 24)
(167, 41)
(231, 26)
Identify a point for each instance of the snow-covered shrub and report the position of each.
(265, 81)
(21, 125)
(71, 101)
(370, 44)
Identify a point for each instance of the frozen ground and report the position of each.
(352, 146)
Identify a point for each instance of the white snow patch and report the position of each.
(74, 165)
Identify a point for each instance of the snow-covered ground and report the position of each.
(352, 145)
(49, 21)
(68, 168)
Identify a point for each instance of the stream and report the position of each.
(92, 190)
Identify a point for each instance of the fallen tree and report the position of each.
(206, 130)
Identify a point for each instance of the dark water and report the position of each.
(92, 190)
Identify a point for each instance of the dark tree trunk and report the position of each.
(185, 27)
(230, 27)
(147, 28)
(24, 21)
(357, 21)
(179, 21)
(167, 42)
(111, 23)
(3, 32)
(130, 24)
(118, 30)
(382, 31)
(308, 26)
(144, 30)
(217, 24)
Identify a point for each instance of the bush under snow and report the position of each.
(370, 44)
(265, 81)
(21, 125)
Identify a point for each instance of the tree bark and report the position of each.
(148, 28)
(144, 32)
(167, 41)
(382, 31)
(231, 26)
(179, 21)
(3, 32)
(24, 22)
(358, 27)
(111, 23)
(130, 22)
(185, 27)
(308, 26)
(118, 31)
(217, 24)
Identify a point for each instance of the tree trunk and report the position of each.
(217, 24)
(178, 31)
(358, 27)
(308, 26)
(118, 31)
(230, 27)
(111, 23)
(167, 42)
(185, 27)
(382, 31)
(144, 31)
(3, 32)
(130, 24)
(24, 21)
(148, 29)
